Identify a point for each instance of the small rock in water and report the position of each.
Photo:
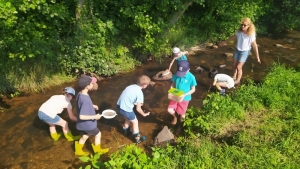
(209, 44)
(279, 45)
(221, 66)
(199, 68)
(229, 55)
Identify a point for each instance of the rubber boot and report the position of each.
(78, 150)
(139, 138)
(127, 131)
(223, 92)
(55, 136)
(69, 136)
(98, 149)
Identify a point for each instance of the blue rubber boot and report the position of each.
(223, 92)
(139, 138)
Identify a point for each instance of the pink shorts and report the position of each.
(179, 107)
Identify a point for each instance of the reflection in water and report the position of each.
(25, 140)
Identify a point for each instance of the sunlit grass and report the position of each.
(35, 79)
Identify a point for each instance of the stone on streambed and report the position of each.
(164, 136)
(200, 69)
(228, 55)
(163, 75)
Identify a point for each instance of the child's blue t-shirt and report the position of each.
(185, 83)
(85, 107)
(132, 94)
(182, 57)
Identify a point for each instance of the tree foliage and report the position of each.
(110, 36)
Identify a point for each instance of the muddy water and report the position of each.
(25, 140)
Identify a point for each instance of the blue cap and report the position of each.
(70, 90)
(182, 67)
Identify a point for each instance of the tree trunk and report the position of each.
(78, 9)
(179, 13)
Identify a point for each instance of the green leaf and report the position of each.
(96, 156)
(88, 167)
(84, 158)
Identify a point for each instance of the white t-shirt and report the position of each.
(244, 41)
(55, 105)
(225, 78)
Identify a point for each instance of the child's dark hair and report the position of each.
(212, 73)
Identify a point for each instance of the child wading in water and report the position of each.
(179, 56)
(87, 117)
(221, 81)
(133, 95)
(186, 82)
(49, 111)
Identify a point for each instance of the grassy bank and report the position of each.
(254, 126)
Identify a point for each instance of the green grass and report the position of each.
(31, 79)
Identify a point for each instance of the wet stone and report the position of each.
(229, 55)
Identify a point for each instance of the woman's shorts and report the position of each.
(179, 107)
(91, 132)
(241, 56)
(129, 115)
(47, 119)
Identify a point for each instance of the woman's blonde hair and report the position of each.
(143, 80)
(251, 28)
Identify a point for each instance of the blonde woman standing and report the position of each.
(246, 38)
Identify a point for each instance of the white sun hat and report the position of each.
(176, 50)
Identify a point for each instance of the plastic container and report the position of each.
(175, 94)
(109, 114)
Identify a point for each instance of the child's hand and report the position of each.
(73, 118)
(95, 107)
(181, 98)
(97, 116)
(146, 114)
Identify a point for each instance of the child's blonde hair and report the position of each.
(251, 29)
(143, 80)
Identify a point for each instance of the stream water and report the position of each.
(25, 141)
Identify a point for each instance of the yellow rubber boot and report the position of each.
(78, 150)
(55, 136)
(69, 136)
(98, 149)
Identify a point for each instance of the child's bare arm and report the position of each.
(95, 107)
(170, 66)
(85, 117)
(186, 52)
(71, 115)
(215, 81)
(139, 109)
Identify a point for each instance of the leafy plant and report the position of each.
(93, 159)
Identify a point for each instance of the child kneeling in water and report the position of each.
(221, 81)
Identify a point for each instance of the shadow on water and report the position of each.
(25, 141)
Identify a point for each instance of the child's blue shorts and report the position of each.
(129, 115)
(44, 117)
